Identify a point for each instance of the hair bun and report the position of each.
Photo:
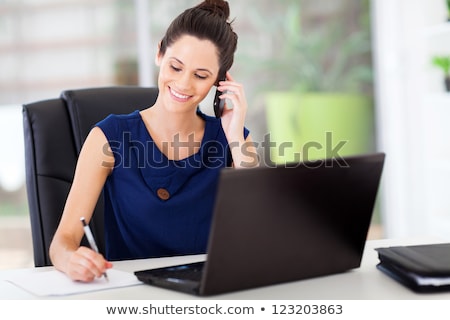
(219, 7)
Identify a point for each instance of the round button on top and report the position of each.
(163, 194)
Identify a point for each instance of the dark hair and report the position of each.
(208, 20)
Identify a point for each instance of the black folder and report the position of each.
(422, 268)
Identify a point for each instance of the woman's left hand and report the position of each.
(233, 119)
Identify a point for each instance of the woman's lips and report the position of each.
(179, 96)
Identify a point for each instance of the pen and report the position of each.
(91, 240)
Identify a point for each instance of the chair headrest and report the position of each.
(88, 106)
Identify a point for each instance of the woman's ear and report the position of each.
(158, 56)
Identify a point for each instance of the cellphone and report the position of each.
(219, 104)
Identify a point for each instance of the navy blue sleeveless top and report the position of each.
(154, 206)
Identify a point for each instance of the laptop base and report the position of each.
(184, 278)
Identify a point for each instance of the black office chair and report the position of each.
(54, 131)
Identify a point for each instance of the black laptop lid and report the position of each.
(273, 225)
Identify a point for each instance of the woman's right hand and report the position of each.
(93, 167)
(85, 265)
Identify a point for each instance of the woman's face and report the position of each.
(188, 70)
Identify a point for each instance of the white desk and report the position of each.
(366, 283)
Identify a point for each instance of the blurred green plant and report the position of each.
(448, 10)
(442, 62)
(324, 56)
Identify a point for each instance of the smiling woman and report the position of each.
(38, 61)
(162, 206)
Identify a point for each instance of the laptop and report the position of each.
(282, 223)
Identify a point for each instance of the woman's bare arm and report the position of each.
(94, 165)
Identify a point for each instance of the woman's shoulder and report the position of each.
(212, 121)
(114, 124)
(121, 117)
(213, 128)
(116, 119)
(206, 117)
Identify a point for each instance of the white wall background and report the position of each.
(411, 115)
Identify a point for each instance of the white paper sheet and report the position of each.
(56, 283)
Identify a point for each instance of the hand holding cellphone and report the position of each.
(219, 104)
